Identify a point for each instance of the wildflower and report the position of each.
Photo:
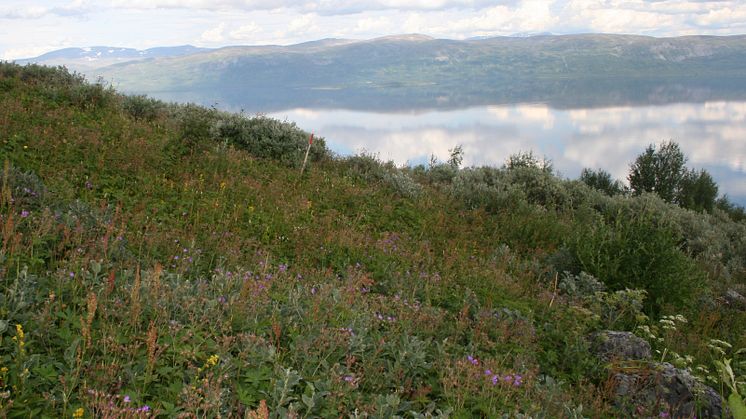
(283, 267)
(4, 370)
(222, 299)
(72, 274)
(88, 185)
(127, 399)
(348, 378)
(145, 408)
(472, 360)
(19, 332)
(495, 379)
(517, 380)
(24, 214)
(78, 413)
(487, 372)
(212, 361)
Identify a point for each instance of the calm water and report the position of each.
(712, 134)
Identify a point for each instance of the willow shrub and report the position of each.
(632, 251)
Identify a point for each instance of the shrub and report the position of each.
(486, 188)
(370, 168)
(697, 191)
(268, 138)
(601, 180)
(658, 170)
(633, 250)
(141, 107)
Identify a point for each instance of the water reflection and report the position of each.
(712, 134)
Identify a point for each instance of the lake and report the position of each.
(596, 123)
(712, 134)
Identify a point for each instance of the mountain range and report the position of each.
(417, 70)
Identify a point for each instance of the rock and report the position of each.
(662, 389)
(610, 345)
(735, 300)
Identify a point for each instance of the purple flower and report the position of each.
(487, 372)
(348, 378)
(517, 380)
(283, 267)
(72, 274)
(313, 291)
(664, 414)
(24, 214)
(127, 399)
(495, 379)
(472, 360)
(145, 408)
(221, 299)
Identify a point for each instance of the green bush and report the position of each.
(370, 168)
(268, 138)
(633, 250)
(601, 180)
(486, 187)
(141, 107)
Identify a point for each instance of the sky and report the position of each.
(29, 28)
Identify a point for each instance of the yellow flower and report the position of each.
(212, 361)
(4, 370)
(78, 413)
(19, 331)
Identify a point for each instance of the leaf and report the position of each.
(308, 401)
(737, 407)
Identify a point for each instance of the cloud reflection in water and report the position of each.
(712, 134)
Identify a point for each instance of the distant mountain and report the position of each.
(417, 70)
(85, 59)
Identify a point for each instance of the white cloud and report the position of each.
(214, 35)
(245, 32)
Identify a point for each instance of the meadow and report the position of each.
(172, 260)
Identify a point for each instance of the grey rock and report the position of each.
(735, 300)
(610, 345)
(660, 387)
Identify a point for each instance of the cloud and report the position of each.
(245, 32)
(214, 35)
(30, 10)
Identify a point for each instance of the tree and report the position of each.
(601, 180)
(660, 171)
(697, 191)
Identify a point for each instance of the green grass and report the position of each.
(174, 257)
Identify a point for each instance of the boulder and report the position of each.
(735, 300)
(609, 345)
(661, 389)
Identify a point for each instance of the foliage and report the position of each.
(172, 264)
(601, 180)
(632, 250)
(141, 107)
(658, 170)
(698, 191)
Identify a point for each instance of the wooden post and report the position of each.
(305, 159)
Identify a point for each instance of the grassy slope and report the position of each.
(143, 256)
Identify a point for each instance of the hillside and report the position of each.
(416, 71)
(90, 58)
(161, 259)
